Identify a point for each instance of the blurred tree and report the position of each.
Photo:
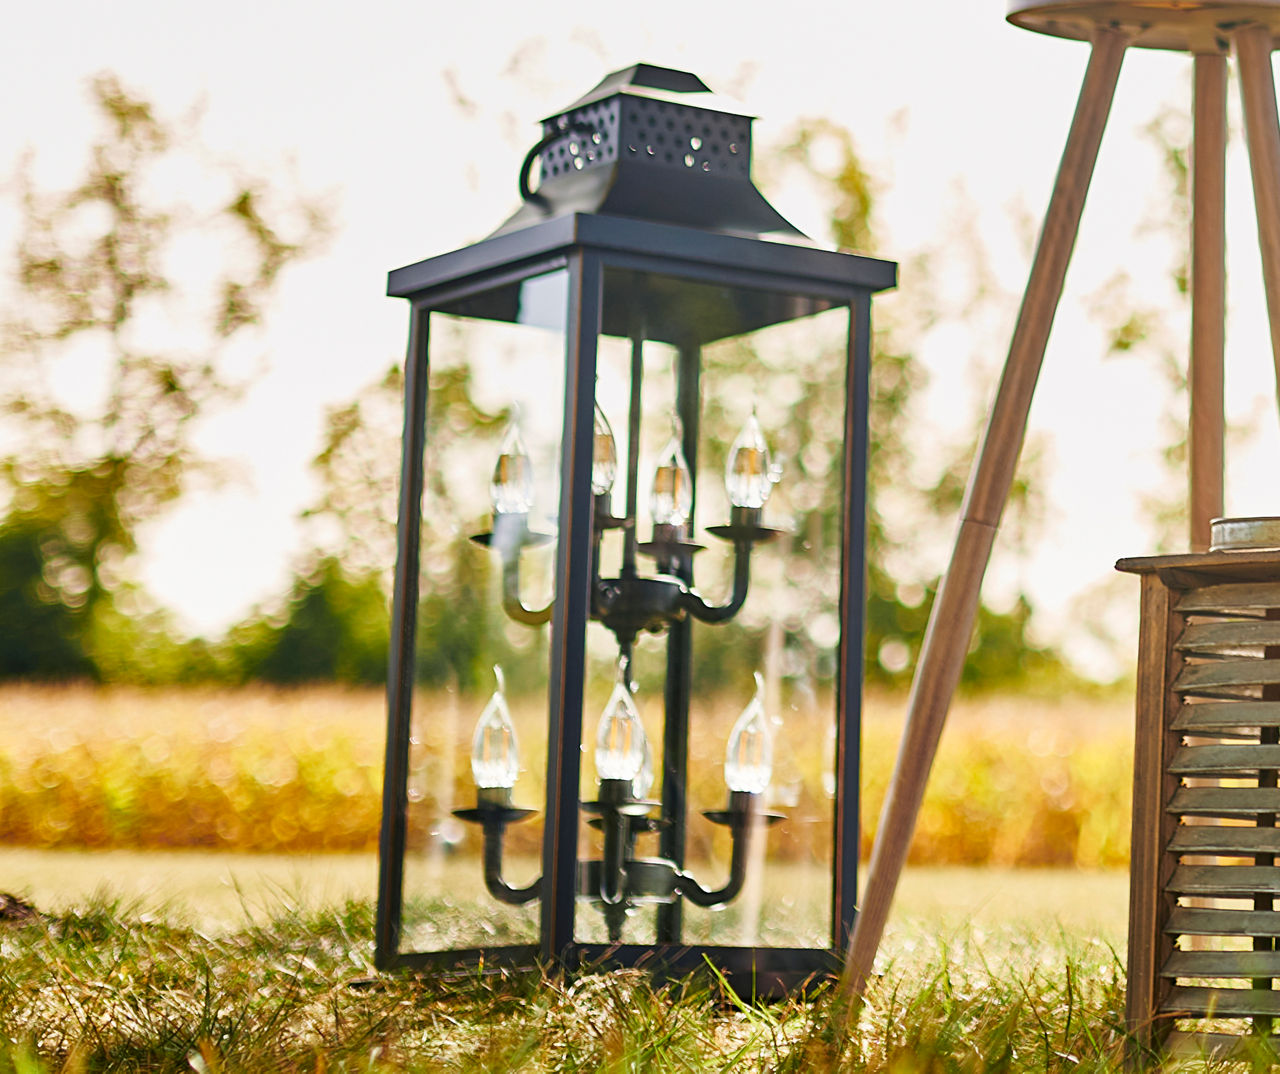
(336, 624)
(908, 495)
(359, 470)
(334, 630)
(104, 371)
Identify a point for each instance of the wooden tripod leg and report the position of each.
(951, 620)
(1262, 131)
(1208, 294)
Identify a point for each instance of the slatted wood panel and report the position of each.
(1230, 636)
(1225, 881)
(1231, 598)
(1211, 717)
(1242, 964)
(1222, 1002)
(1200, 678)
(1192, 921)
(1213, 720)
(1225, 840)
(1224, 760)
(1246, 802)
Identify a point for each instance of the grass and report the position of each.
(107, 988)
(261, 962)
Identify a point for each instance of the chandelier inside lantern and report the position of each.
(628, 603)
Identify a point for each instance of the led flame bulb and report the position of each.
(671, 500)
(643, 783)
(748, 475)
(511, 490)
(495, 756)
(604, 457)
(748, 759)
(620, 737)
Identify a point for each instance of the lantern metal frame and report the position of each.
(586, 245)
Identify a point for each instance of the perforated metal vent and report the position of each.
(650, 132)
(577, 149)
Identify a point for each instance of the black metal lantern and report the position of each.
(699, 795)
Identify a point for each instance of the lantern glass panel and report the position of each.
(495, 390)
(711, 355)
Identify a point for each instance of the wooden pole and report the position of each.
(951, 620)
(1208, 294)
(1262, 131)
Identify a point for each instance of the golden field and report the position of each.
(1018, 781)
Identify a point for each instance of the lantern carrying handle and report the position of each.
(572, 127)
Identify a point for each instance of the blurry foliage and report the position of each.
(336, 624)
(359, 471)
(263, 769)
(236, 770)
(1142, 330)
(334, 629)
(67, 607)
(907, 495)
(93, 292)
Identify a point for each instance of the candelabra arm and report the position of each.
(692, 601)
(745, 532)
(742, 818)
(494, 830)
(510, 536)
(511, 602)
(617, 837)
(493, 812)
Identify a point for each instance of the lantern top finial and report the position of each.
(649, 143)
(654, 82)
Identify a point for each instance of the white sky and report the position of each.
(362, 100)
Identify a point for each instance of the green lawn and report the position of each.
(229, 963)
(218, 891)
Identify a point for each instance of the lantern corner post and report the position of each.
(853, 597)
(571, 610)
(400, 662)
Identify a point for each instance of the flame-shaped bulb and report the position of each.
(748, 473)
(495, 756)
(620, 737)
(511, 490)
(748, 759)
(604, 457)
(643, 783)
(671, 500)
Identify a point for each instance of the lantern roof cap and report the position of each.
(658, 84)
(649, 143)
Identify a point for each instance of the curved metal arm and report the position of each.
(740, 832)
(696, 606)
(511, 602)
(509, 537)
(743, 817)
(695, 893)
(494, 831)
